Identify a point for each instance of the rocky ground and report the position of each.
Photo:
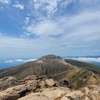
(41, 88)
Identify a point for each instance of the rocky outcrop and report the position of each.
(41, 88)
(92, 92)
(7, 82)
(32, 85)
(24, 86)
(13, 93)
(75, 95)
(47, 94)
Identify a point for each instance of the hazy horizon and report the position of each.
(11, 62)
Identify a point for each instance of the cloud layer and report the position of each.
(97, 60)
(18, 61)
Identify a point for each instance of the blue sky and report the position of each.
(33, 28)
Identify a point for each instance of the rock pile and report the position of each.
(41, 88)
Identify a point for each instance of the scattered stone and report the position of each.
(41, 88)
(32, 77)
(32, 85)
(42, 84)
(50, 82)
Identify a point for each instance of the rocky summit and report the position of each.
(50, 78)
(41, 88)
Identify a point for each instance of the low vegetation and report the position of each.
(84, 65)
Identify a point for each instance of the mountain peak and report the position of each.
(50, 57)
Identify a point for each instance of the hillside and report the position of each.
(84, 65)
(49, 65)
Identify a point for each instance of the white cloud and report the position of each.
(84, 25)
(20, 47)
(5, 1)
(37, 6)
(19, 61)
(26, 20)
(89, 1)
(46, 27)
(8, 61)
(50, 6)
(77, 34)
(97, 60)
(67, 2)
(20, 6)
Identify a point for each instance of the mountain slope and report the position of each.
(78, 74)
(84, 65)
(49, 65)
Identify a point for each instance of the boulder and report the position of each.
(7, 82)
(35, 96)
(28, 78)
(50, 82)
(42, 84)
(87, 98)
(55, 92)
(32, 85)
(47, 94)
(75, 95)
(13, 92)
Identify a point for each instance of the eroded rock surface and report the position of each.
(7, 82)
(13, 92)
(47, 94)
(42, 88)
